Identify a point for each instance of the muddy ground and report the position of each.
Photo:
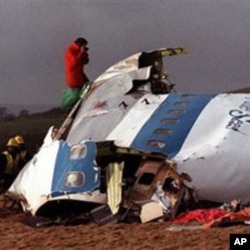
(14, 234)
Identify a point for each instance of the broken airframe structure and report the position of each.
(136, 150)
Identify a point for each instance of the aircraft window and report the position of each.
(165, 131)
(184, 103)
(156, 143)
(146, 178)
(75, 179)
(78, 151)
(176, 111)
(170, 120)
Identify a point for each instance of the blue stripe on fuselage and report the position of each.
(148, 140)
(65, 165)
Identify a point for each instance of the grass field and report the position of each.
(32, 128)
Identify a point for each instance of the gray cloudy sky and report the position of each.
(35, 33)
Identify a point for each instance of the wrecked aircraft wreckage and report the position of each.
(132, 149)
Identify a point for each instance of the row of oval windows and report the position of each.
(168, 131)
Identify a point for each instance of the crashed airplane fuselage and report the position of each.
(135, 143)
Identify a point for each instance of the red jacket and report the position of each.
(74, 62)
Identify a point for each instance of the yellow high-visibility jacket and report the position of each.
(12, 165)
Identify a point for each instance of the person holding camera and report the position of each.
(76, 57)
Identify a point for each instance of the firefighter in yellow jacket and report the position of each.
(9, 163)
(24, 154)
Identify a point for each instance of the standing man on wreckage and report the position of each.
(76, 57)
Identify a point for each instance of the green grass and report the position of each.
(32, 128)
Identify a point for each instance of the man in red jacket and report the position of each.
(76, 57)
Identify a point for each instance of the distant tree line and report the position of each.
(5, 115)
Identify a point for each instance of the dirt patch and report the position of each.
(14, 234)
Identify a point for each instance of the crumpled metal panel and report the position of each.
(114, 185)
(151, 211)
(145, 185)
(113, 84)
(97, 124)
(158, 182)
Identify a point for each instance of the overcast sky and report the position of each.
(35, 33)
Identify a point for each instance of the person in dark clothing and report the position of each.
(9, 164)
